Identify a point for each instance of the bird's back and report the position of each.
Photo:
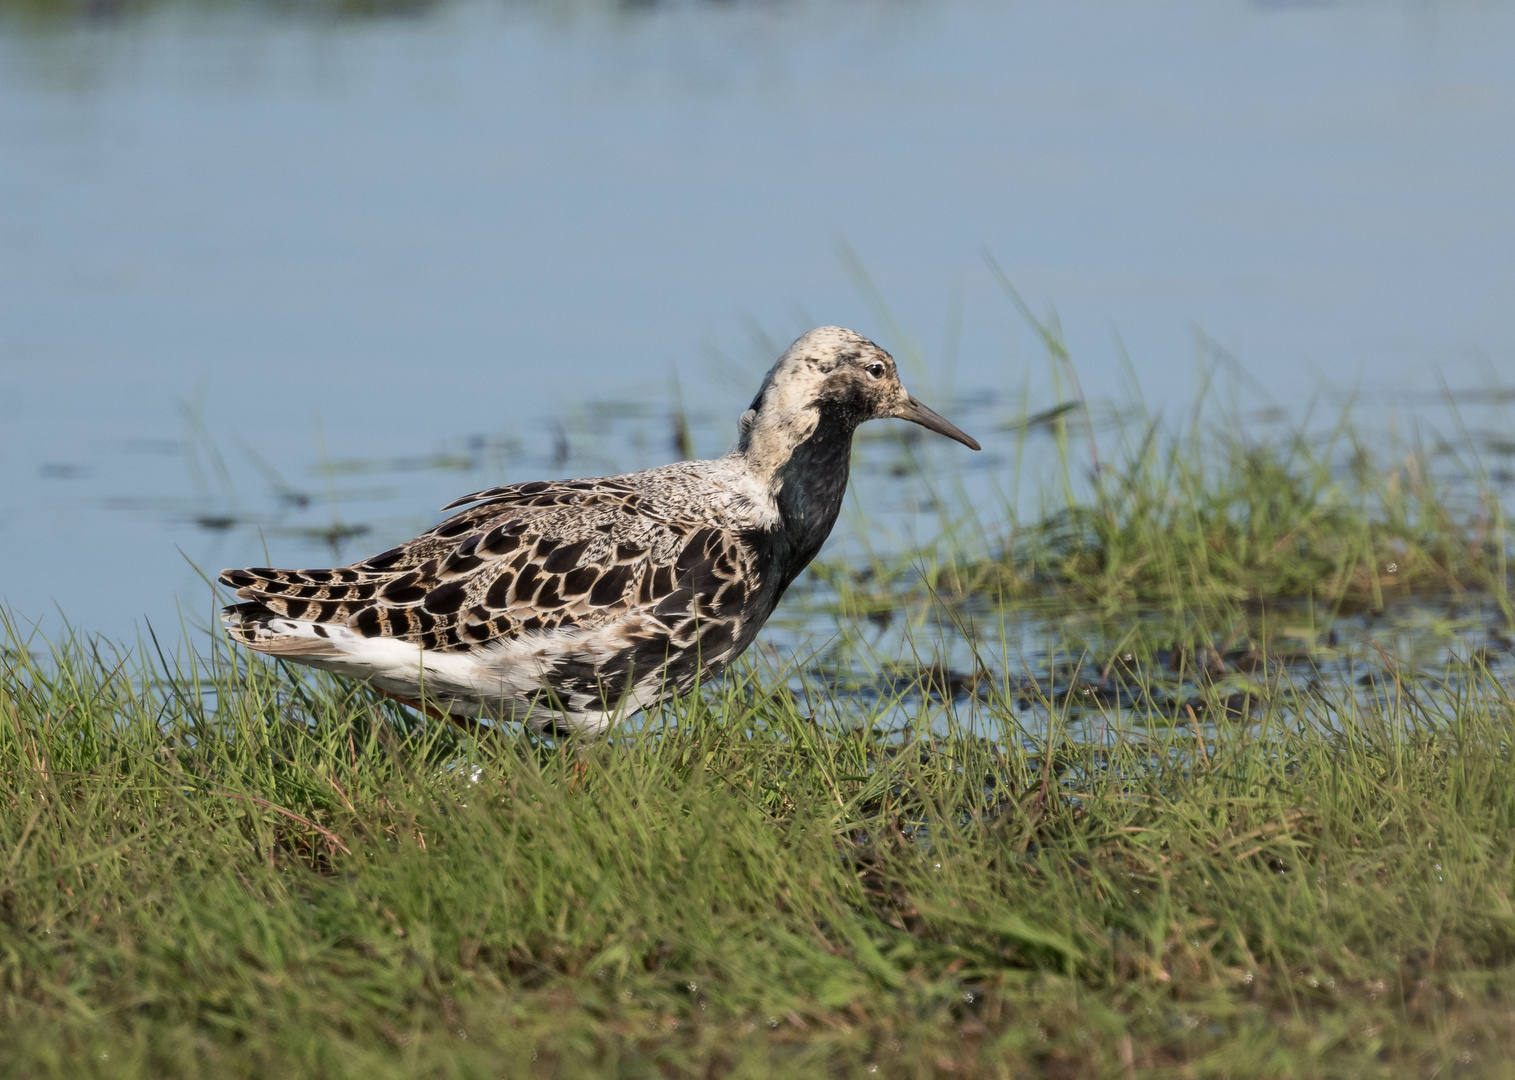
(586, 590)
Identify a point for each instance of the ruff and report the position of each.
(571, 603)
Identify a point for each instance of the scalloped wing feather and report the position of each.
(614, 586)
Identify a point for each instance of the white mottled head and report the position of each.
(833, 374)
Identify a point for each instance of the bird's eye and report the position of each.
(875, 370)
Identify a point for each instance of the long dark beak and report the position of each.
(917, 413)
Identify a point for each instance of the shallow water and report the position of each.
(273, 286)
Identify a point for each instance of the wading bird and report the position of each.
(569, 604)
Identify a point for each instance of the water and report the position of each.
(272, 287)
(1074, 672)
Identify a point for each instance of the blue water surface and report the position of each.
(275, 285)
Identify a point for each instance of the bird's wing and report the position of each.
(532, 557)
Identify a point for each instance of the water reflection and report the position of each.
(35, 13)
(389, 259)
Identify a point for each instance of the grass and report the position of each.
(1186, 849)
(1204, 528)
(212, 867)
(1211, 517)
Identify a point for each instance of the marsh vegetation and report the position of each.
(1201, 767)
(1169, 740)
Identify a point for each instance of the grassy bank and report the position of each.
(1198, 844)
(217, 869)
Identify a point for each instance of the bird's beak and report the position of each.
(917, 413)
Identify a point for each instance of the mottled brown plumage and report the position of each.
(573, 602)
(536, 556)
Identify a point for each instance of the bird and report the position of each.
(571, 604)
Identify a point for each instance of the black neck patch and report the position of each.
(813, 483)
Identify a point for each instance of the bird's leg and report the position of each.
(578, 769)
(473, 727)
(426, 710)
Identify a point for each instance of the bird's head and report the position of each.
(835, 376)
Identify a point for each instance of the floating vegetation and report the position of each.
(334, 535)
